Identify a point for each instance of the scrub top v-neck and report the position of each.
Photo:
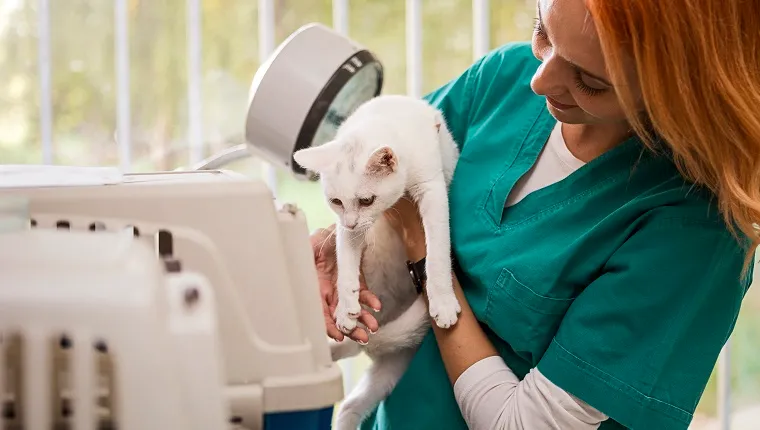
(620, 282)
(555, 162)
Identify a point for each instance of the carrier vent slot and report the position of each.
(97, 226)
(164, 244)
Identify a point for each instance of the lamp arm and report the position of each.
(223, 158)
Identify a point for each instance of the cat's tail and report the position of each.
(404, 332)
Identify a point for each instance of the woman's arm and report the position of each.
(489, 394)
(465, 343)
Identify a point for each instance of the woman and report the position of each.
(602, 213)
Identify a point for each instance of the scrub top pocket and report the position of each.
(522, 316)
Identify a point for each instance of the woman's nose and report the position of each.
(548, 79)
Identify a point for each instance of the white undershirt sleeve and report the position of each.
(491, 397)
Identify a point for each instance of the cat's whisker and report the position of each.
(371, 245)
(366, 225)
(356, 235)
(368, 239)
(400, 218)
(397, 212)
(366, 242)
(324, 242)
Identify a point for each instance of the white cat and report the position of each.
(389, 147)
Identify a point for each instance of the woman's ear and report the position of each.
(316, 158)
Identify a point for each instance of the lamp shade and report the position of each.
(305, 90)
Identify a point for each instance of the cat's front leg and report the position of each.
(348, 252)
(344, 349)
(432, 200)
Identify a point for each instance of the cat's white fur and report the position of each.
(389, 147)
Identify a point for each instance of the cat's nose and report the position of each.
(350, 226)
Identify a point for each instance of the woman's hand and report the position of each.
(404, 218)
(323, 246)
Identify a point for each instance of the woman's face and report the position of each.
(572, 75)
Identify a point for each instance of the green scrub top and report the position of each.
(621, 283)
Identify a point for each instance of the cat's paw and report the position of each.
(348, 299)
(346, 315)
(444, 309)
(345, 323)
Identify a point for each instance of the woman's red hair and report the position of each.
(698, 68)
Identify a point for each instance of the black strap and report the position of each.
(418, 274)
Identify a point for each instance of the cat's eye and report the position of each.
(336, 202)
(366, 201)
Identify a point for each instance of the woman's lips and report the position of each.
(558, 105)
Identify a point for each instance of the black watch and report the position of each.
(417, 272)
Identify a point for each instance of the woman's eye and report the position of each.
(590, 89)
(538, 29)
(366, 201)
(336, 202)
(594, 83)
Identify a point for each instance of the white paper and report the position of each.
(27, 176)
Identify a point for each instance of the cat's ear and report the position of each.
(316, 158)
(382, 162)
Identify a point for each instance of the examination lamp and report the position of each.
(300, 96)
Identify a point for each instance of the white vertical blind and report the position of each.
(266, 29)
(44, 65)
(340, 16)
(724, 387)
(266, 47)
(414, 47)
(194, 81)
(481, 28)
(123, 104)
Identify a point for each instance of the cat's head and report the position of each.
(359, 180)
